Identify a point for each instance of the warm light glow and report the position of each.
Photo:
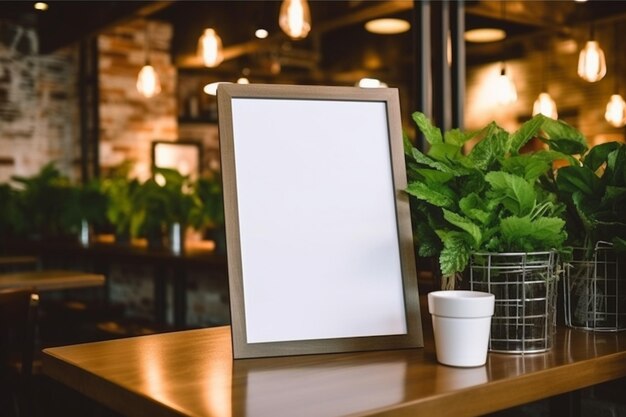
(210, 48)
(295, 18)
(41, 5)
(387, 26)
(591, 62)
(261, 33)
(243, 80)
(148, 82)
(505, 89)
(484, 35)
(371, 83)
(616, 111)
(545, 105)
(211, 89)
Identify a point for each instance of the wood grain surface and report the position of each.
(50, 280)
(192, 373)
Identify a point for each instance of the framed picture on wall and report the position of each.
(185, 156)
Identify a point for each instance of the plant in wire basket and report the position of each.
(492, 199)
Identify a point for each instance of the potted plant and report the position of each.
(493, 208)
(45, 202)
(119, 190)
(210, 214)
(164, 203)
(594, 191)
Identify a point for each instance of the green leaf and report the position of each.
(475, 208)
(430, 132)
(527, 166)
(456, 252)
(526, 132)
(434, 176)
(444, 152)
(426, 160)
(616, 167)
(613, 195)
(491, 148)
(437, 198)
(598, 155)
(562, 137)
(456, 137)
(524, 234)
(406, 143)
(518, 195)
(428, 241)
(619, 244)
(465, 224)
(576, 178)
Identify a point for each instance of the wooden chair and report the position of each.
(18, 321)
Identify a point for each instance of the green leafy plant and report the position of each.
(210, 214)
(168, 197)
(46, 203)
(10, 219)
(492, 199)
(119, 190)
(594, 191)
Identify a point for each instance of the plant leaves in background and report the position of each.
(597, 155)
(431, 133)
(435, 197)
(526, 132)
(562, 137)
(518, 195)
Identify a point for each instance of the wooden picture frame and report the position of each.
(185, 156)
(319, 239)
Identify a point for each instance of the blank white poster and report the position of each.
(318, 235)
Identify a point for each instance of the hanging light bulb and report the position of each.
(546, 106)
(591, 61)
(505, 88)
(616, 111)
(210, 48)
(295, 18)
(148, 82)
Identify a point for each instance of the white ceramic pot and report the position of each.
(461, 325)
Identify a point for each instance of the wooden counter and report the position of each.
(51, 280)
(192, 373)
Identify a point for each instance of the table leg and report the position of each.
(180, 298)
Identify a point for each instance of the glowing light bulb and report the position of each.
(616, 111)
(371, 83)
(210, 48)
(546, 106)
(505, 88)
(148, 82)
(295, 18)
(591, 62)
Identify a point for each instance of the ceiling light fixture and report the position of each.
(387, 26)
(545, 104)
(505, 88)
(591, 61)
(211, 89)
(210, 48)
(484, 35)
(148, 83)
(41, 6)
(371, 83)
(294, 18)
(261, 33)
(616, 107)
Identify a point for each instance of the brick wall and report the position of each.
(129, 122)
(38, 105)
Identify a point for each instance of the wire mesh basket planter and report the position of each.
(525, 287)
(594, 293)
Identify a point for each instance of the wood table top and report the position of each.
(50, 280)
(192, 373)
(18, 260)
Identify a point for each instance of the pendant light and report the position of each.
(294, 18)
(505, 88)
(148, 83)
(544, 104)
(591, 61)
(616, 107)
(210, 48)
